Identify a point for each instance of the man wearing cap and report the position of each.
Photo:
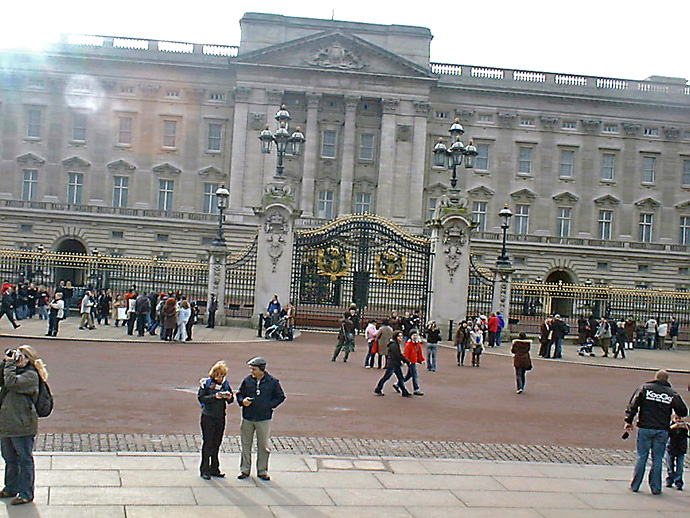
(655, 400)
(258, 395)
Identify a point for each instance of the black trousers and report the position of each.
(10, 317)
(211, 319)
(53, 324)
(212, 429)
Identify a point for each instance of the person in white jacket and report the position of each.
(182, 317)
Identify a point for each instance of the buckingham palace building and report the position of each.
(120, 144)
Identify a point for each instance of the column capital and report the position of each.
(422, 107)
(313, 99)
(352, 101)
(274, 96)
(390, 105)
(242, 94)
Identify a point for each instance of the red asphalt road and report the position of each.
(135, 388)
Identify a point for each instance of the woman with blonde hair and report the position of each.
(214, 394)
(18, 421)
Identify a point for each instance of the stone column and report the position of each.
(347, 173)
(311, 154)
(216, 279)
(502, 283)
(419, 150)
(451, 268)
(239, 148)
(387, 156)
(274, 252)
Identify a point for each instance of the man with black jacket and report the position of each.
(7, 307)
(655, 400)
(394, 362)
(258, 395)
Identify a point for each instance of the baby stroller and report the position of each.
(586, 348)
(279, 330)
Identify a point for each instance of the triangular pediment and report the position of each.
(334, 52)
(364, 185)
(30, 159)
(567, 198)
(166, 168)
(76, 163)
(647, 203)
(121, 165)
(607, 201)
(480, 192)
(683, 207)
(212, 171)
(436, 188)
(523, 195)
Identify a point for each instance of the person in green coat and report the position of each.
(21, 369)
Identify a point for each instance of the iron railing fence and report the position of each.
(240, 282)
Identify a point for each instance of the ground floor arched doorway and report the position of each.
(560, 306)
(77, 274)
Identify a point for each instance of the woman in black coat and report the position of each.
(214, 395)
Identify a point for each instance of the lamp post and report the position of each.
(286, 144)
(222, 195)
(505, 214)
(452, 156)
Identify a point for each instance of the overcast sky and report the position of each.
(611, 38)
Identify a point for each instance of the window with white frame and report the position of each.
(482, 160)
(610, 128)
(33, 126)
(525, 160)
(686, 172)
(79, 127)
(648, 169)
(366, 147)
(169, 133)
(522, 219)
(124, 131)
(526, 121)
(605, 224)
(567, 165)
(165, 194)
(563, 221)
(485, 117)
(363, 203)
(684, 238)
(214, 140)
(651, 132)
(646, 227)
(431, 207)
(75, 184)
(324, 207)
(29, 184)
(120, 191)
(479, 215)
(569, 125)
(608, 166)
(210, 198)
(329, 144)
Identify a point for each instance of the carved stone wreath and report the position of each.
(454, 240)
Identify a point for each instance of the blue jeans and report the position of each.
(19, 465)
(520, 377)
(390, 370)
(674, 466)
(369, 359)
(654, 440)
(413, 374)
(558, 350)
(431, 356)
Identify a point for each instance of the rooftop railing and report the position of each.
(157, 46)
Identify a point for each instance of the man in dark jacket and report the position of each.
(655, 400)
(258, 395)
(212, 308)
(7, 307)
(142, 308)
(394, 361)
(346, 337)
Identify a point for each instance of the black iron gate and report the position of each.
(480, 292)
(363, 260)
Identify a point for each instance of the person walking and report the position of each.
(55, 313)
(545, 338)
(621, 337)
(131, 311)
(214, 395)
(193, 318)
(560, 331)
(654, 401)
(661, 332)
(212, 308)
(462, 341)
(521, 360)
(383, 338)
(142, 309)
(19, 422)
(493, 323)
(370, 334)
(169, 318)
(650, 328)
(673, 332)
(675, 452)
(346, 338)
(87, 303)
(433, 337)
(259, 395)
(629, 327)
(183, 316)
(7, 306)
(394, 361)
(603, 335)
(413, 352)
(477, 341)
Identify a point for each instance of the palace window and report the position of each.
(366, 147)
(29, 184)
(525, 161)
(686, 172)
(610, 128)
(648, 169)
(646, 227)
(79, 127)
(608, 166)
(210, 198)
(124, 131)
(431, 207)
(324, 208)
(567, 166)
(563, 222)
(684, 230)
(75, 185)
(522, 219)
(569, 125)
(479, 215)
(329, 144)
(482, 160)
(605, 224)
(165, 194)
(33, 127)
(120, 191)
(485, 117)
(169, 134)
(214, 141)
(363, 203)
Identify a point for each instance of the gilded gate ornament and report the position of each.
(391, 265)
(333, 262)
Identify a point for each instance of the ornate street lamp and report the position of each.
(452, 157)
(286, 143)
(505, 214)
(222, 195)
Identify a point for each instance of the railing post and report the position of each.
(450, 330)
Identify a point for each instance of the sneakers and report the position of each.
(418, 393)
(397, 389)
(518, 391)
(19, 501)
(242, 476)
(407, 395)
(264, 476)
(5, 494)
(378, 393)
(218, 475)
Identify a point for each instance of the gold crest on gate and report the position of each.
(333, 262)
(390, 265)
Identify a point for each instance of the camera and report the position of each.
(10, 353)
(625, 435)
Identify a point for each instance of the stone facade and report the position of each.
(117, 144)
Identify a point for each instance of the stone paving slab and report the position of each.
(216, 511)
(62, 511)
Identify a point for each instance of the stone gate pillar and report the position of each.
(450, 279)
(275, 246)
(502, 284)
(217, 260)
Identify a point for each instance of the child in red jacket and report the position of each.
(413, 352)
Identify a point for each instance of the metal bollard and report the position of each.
(450, 330)
(261, 325)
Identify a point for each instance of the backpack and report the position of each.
(44, 402)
